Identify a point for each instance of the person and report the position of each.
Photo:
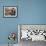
(13, 12)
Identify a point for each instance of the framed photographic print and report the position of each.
(33, 32)
(10, 11)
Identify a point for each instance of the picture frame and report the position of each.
(37, 29)
(10, 11)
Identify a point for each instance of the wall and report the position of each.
(29, 12)
(32, 11)
(7, 25)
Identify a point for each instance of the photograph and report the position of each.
(10, 11)
(32, 32)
